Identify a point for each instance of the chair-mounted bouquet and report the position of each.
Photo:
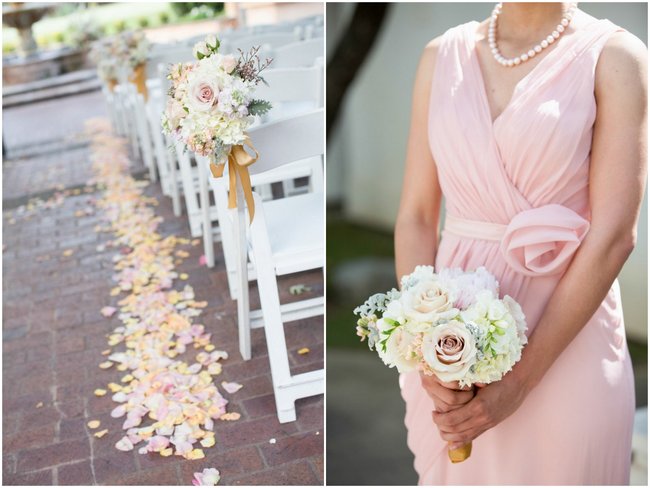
(210, 106)
(450, 324)
(122, 57)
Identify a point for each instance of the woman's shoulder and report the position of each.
(451, 36)
(623, 60)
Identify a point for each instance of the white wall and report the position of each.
(366, 152)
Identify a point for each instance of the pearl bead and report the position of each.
(555, 34)
(531, 53)
(560, 28)
(544, 44)
(565, 22)
(538, 49)
(517, 60)
(511, 62)
(495, 51)
(550, 39)
(524, 57)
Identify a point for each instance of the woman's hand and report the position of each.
(446, 396)
(490, 405)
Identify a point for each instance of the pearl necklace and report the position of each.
(552, 37)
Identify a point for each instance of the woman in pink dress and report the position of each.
(539, 149)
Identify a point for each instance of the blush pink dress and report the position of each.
(517, 202)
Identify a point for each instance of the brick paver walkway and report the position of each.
(53, 335)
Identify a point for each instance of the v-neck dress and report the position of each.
(517, 202)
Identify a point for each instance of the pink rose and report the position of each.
(449, 350)
(174, 112)
(203, 94)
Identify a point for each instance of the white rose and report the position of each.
(428, 301)
(449, 350)
(200, 50)
(229, 63)
(496, 310)
(518, 314)
(211, 41)
(398, 351)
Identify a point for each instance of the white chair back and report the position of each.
(298, 54)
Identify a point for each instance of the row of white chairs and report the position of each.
(286, 235)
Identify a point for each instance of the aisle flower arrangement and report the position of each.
(211, 104)
(124, 54)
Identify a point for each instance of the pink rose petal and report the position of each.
(108, 311)
(231, 387)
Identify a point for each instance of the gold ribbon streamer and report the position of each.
(238, 162)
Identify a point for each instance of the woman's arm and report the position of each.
(616, 187)
(416, 229)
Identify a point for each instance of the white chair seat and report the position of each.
(297, 243)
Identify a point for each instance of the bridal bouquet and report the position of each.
(451, 324)
(210, 106)
(124, 53)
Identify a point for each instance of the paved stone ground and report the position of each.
(53, 334)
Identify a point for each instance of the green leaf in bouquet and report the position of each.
(259, 107)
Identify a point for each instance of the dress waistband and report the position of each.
(474, 229)
(537, 242)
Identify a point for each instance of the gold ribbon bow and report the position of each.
(238, 162)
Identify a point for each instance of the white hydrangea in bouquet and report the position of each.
(210, 106)
(122, 55)
(450, 324)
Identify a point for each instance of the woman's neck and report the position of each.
(528, 22)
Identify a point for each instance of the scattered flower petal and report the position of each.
(231, 387)
(272, 441)
(100, 392)
(231, 416)
(93, 424)
(68, 252)
(108, 311)
(207, 477)
(106, 365)
(124, 444)
(101, 433)
(304, 350)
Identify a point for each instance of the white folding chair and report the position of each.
(298, 54)
(285, 237)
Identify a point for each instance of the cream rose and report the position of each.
(399, 350)
(449, 350)
(428, 301)
(203, 94)
(200, 50)
(229, 63)
(174, 112)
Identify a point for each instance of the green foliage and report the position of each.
(259, 107)
(197, 10)
(59, 37)
(143, 22)
(164, 17)
(119, 26)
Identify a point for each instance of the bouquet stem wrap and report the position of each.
(139, 79)
(238, 162)
(459, 455)
(112, 83)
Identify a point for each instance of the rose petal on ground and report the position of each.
(124, 444)
(230, 416)
(203, 261)
(231, 387)
(101, 433)
(106, 364)
(167, 452)
(108, 311)
(68, 252)
(183, 276)
(93, 424)
(208, 442)
(195, 454)
(207, 477)
(272, 441)
(99, 392)
(39, 405)
(304, 350)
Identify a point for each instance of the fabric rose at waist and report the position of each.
(537, 242)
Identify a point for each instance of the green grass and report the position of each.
(347, 241)
(111, 18)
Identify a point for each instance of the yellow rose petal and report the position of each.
(106, 352)
(210, 348)
(127, 378)
(100, 392)
(101, 433)
(106, 364)
(196, 454)
(93, 424)
(167, 452)
(230, 416)
(304, 350)
(114, 387)
(208, 442)
(39, 405)
(122, 367)
(68, 252)
(184, 276)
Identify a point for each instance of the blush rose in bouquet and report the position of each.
(210, 106)
(450, 324)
